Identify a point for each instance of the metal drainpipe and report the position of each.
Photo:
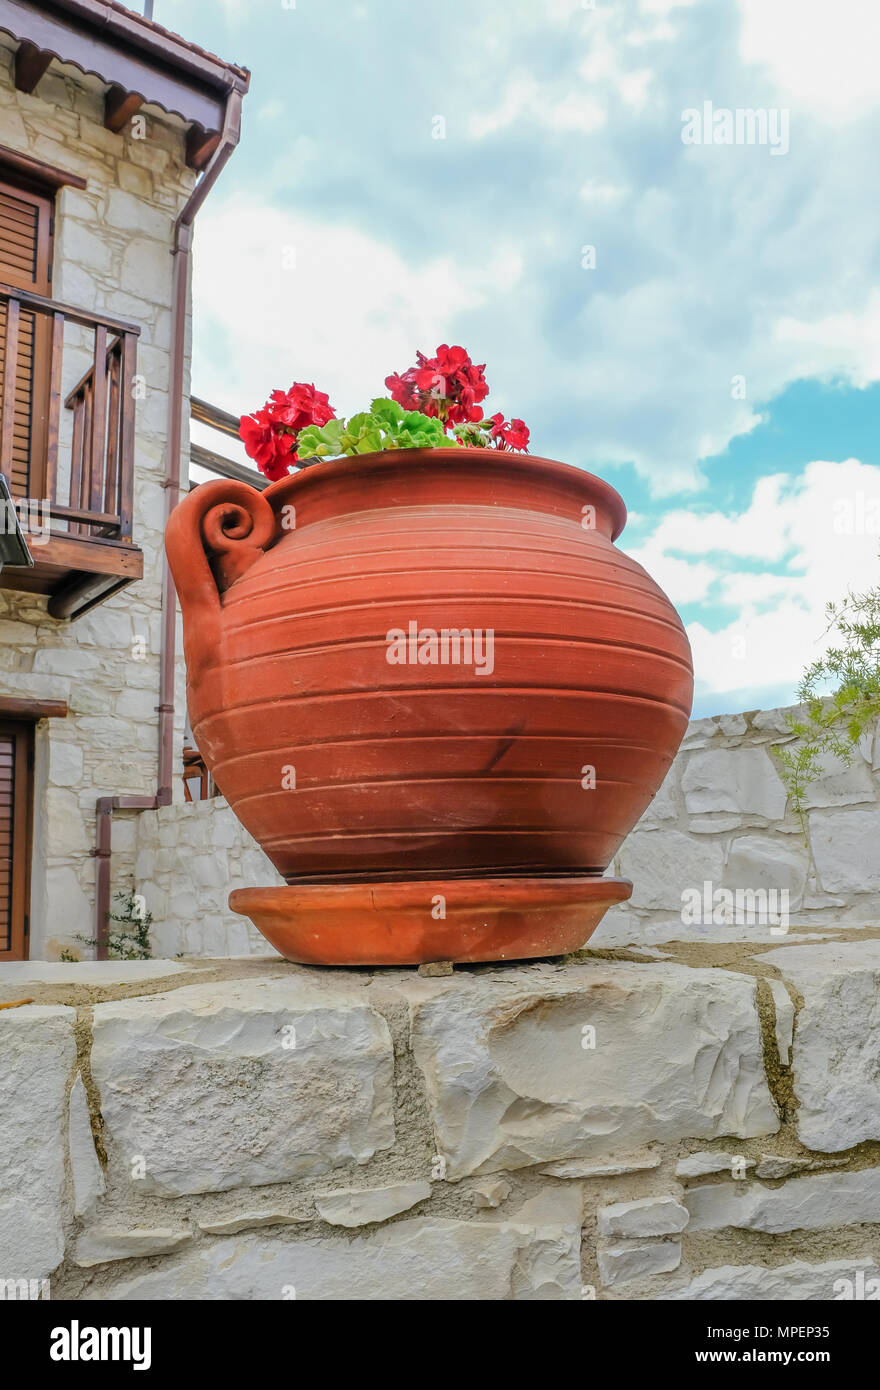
(106, 805)
(182, 244)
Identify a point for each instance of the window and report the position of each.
(26, 225)
(16, 800)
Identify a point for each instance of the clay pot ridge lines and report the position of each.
(447, 736)
(479, 779)
(383, 692)
(260, 587)
(305, 649)
(508, 599)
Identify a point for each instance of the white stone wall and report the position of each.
(112, 253)
(189, 859)
(720, 816)
(617, 1126)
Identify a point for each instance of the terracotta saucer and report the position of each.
(466, 919)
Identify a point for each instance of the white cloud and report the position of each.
(823, 526)
(754, 533)
(634, 87)
(270, 111)
(845, 344)
(526, 100)
(347, 312)
(663, 7)
(684, 581)
(595, 192)
(823, 55)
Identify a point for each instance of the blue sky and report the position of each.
(720, 363)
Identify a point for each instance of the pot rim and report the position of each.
(390, 460)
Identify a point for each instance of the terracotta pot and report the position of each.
(353, 728)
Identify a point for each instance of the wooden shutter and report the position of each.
(25, 264)
(16, 793)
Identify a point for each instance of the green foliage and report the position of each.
(321, 442)
(386, 425)
(841, 692)
(131, 939)
(474, 434)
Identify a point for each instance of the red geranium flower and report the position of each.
(512, 436)
(403, 389)
(518, 435)
(270, 434)
(448, 385)
(264, 443)
(300, 406)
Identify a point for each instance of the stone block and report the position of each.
(663, 863)
(586, 1061)
(145, 264)
(644, 1216)
(803, 1204)
(732, 725)
(22, 974)
(773, 1167)
(419, 1260)
(603, 1168)
(65, 763)
(70, 911)
(491, 1192)
(362, 1206)
(699, 732)
(663, 807)
(99, 1247)
(86, 1171)
(784, 1029)
(743, 780)
(759, 862)
(130, 212)
(250, 1220)
(237, 1084)
(65, 828)
(38, 1050)
(836, 1056)
(784, 1284)
(839, 785)
(629, 1260)
(698, 1165)
(844, 845)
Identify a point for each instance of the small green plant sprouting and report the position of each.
(386, 425)
(130, 940)
(841, 692)
(68, 957)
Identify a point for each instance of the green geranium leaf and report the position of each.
(386, 411)
(324, 442)
(369, 441)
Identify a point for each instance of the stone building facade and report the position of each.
(113, 242)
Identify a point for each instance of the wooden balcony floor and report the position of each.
(76, 572)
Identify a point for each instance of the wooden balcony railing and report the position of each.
(69, 451)
(90, 486)
(198, 784)
(224, 423)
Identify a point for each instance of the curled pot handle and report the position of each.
(212, 538)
